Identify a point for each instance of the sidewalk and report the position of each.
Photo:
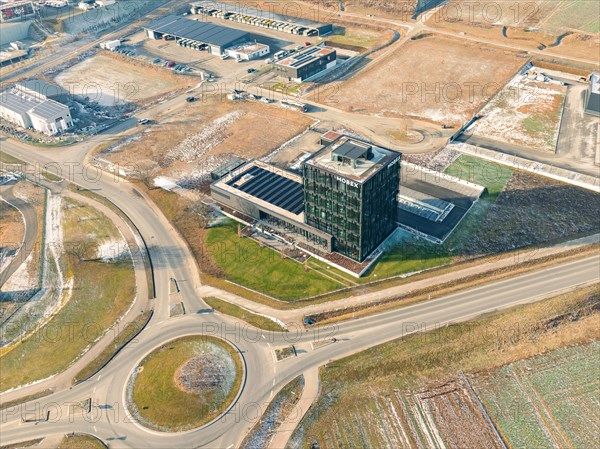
(309, 395)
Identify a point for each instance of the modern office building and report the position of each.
(350, 191)
(345, 201)
(307, 63)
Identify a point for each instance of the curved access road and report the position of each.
(30, 219)
(109, 421)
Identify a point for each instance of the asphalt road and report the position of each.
(264, 376)
(31, 227)
(109, 421)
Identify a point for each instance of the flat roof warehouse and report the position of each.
(208, 33)
(267, 19)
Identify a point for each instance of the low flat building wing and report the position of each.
(275, 188)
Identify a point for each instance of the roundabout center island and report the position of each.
(185, 383)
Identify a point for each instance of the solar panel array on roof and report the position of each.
(204, 32)
(271, 187)
(351, 150)
(49, 109)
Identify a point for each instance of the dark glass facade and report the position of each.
(359, 215)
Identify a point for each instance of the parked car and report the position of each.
(251, 70)
(143, 121)
(307, 44)
(191, 99)
(170, 64)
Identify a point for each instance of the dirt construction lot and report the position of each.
(190, 143)
(526, 23)
(432, 78)
(526, 112)
(111, 79)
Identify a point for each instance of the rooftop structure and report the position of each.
(352, 158)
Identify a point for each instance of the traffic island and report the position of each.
(185, 383)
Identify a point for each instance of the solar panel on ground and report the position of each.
(273, 188)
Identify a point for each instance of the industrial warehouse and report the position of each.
(345, 202)
(195, 34)
(32, 104)
(263, 19)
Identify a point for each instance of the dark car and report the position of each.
(251, 70)
(190, 99)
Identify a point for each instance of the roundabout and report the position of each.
(185, 383)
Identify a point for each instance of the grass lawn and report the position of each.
(253, 319)
(161, 404)
(8, 159)
(488, 174)
(124, 337)
(350, 387)
(80, 441)
(262, 269)
(408, 256)
(102, 293)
